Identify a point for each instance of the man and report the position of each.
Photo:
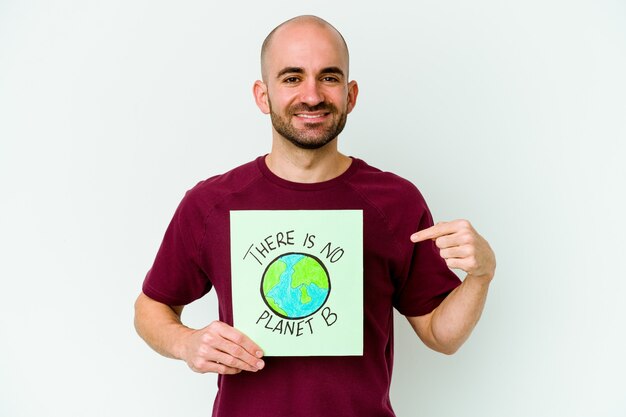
(305, 90)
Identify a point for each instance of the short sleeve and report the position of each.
(176, 277)
(428, 279)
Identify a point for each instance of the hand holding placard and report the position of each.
(222, 349)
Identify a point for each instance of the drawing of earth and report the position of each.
(295, 285)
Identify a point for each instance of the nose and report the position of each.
(311, 93)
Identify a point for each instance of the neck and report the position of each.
(291, 163)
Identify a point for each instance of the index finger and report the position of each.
(433, 232)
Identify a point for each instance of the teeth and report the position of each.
(310, 116)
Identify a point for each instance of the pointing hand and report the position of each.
(461, 247)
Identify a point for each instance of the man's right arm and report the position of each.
(217, 348)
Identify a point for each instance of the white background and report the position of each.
(508, 113)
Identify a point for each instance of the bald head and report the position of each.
(288, 28)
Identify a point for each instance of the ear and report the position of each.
(353, 92)
(260, 96)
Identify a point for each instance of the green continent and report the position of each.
(308, 271)
(275, 307)
(272, 276)
(304, 297)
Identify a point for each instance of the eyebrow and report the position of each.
(290, 70)
(298, 70)
(332, 70)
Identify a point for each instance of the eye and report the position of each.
(291, 80)
(330, 79)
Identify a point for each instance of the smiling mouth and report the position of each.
(311, 116)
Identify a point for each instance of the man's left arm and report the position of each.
(449, 325)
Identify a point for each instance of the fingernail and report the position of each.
(260, 364)
(259, 354)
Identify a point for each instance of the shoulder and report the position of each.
(386, 189)
(207, 193)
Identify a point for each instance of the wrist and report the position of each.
(180, 342)
(482, 280)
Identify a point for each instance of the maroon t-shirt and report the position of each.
(195, 257)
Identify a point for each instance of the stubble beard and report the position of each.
(313, 135)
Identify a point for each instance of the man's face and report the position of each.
(308, 95)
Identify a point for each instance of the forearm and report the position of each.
(160, 326)
(452, 322)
